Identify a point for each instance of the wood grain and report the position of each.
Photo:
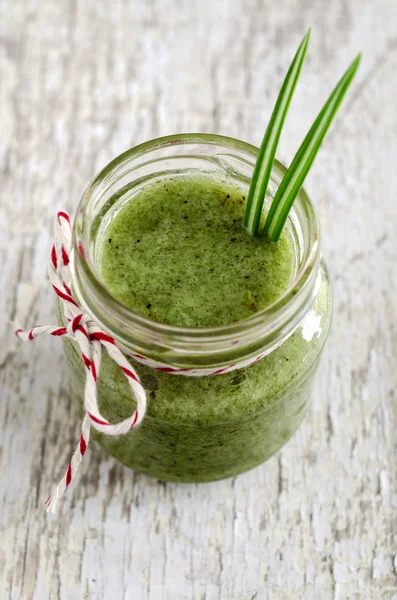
(79, 83)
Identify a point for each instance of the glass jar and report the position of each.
(207, 427)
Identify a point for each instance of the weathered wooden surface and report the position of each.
(82, 81)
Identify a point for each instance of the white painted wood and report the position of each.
(82, 81)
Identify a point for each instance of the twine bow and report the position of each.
(91, 341)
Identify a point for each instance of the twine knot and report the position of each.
(91, 341)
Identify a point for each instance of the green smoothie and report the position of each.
(176, 252)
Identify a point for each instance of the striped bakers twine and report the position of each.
(91, 341)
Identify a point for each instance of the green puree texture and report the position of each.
(201, 428)
(178, 254)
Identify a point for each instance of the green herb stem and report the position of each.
(265, 160)
(295, 175)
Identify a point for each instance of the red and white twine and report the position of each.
(91, 341)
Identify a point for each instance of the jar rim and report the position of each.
(266, 320)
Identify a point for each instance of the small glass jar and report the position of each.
(207, 427)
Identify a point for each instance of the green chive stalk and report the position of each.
(267, 152)
(303, 160)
